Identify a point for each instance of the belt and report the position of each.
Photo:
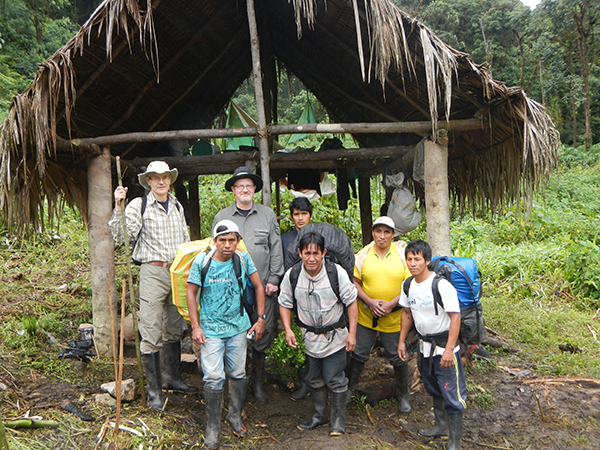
(166, 265)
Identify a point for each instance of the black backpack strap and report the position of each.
(435, 290)
(237, 268)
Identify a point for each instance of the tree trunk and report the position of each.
(366, 214)
(102, 256)
(437, 197)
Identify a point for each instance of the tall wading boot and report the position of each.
(151, 363)
(440, 426)
(353, 371)
(304, 389)
(319, 399)
(237, 396)
(402, 387)
(170, 365)
(338, 414)
(455, 427)
(258, 371)
(214, 404)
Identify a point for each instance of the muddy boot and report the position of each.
(258, 370)
(338, 414)
(151, 363)
(455, 427)
(319, 399)
(214, 404)
(402, 387)
(353, 372)
(303, 389)
(237, 396)
(170, 365)
(440, 426)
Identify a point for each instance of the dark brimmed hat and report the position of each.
(241, 173)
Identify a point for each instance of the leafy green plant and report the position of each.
(285, 357)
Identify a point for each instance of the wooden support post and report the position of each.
(437, 197)
(195, 232)
(366, 214)
(102, 256)
(263, 139)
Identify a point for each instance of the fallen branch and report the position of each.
(540, 407)
(593, 334)
(585, 382)
(129, 430)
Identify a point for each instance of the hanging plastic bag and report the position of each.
(402, 209)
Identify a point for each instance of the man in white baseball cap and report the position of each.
(221, 326)
(379, 270)
(156, 223)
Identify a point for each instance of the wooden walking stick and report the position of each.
(119, 378)
(112, 327)
(131, 290)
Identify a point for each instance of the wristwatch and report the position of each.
(262, 316)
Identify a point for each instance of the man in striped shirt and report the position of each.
(157, 224)
(327, 335)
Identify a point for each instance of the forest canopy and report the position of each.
(551, 51)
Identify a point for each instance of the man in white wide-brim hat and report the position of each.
(156, 224)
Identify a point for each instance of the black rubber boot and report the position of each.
(440, 426)
(214, 404)
(237, 397)
(258, 371)
(402, 387)
(151, 363)
(455, 427)
(319, 399)
(304, 388)
(170, 366)
(353, 372)
(338, 414)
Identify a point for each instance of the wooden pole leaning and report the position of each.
(131, 289)
(119, 380)
(263, 138)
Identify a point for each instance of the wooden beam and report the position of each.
(263, 138)
(366, 214)
(313, 128)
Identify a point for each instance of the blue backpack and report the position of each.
(463, 274)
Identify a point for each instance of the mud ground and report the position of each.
(509, 407)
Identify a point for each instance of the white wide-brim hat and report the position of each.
(157, 167)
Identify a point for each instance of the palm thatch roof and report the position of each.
(139, 66)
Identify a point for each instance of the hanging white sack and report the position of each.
(402, 209)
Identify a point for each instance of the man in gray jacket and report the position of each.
(260, 230)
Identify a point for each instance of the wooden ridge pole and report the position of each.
(131, 289)
(310, 128)
(263, 138)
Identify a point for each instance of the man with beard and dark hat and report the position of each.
(260, 230)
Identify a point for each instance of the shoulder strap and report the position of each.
(406, 285)
(334, 281)
(142, 210)
(435, 290)
(360, 257)
(294, 275)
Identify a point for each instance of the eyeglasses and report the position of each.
(244, 187)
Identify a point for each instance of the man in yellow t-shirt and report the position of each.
(378, 275)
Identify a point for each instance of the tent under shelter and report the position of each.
(141, 75)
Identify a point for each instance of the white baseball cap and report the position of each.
(384, 220)
(225, 227)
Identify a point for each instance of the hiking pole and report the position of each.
(131, 290)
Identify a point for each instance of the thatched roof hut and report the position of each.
(142, 66)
